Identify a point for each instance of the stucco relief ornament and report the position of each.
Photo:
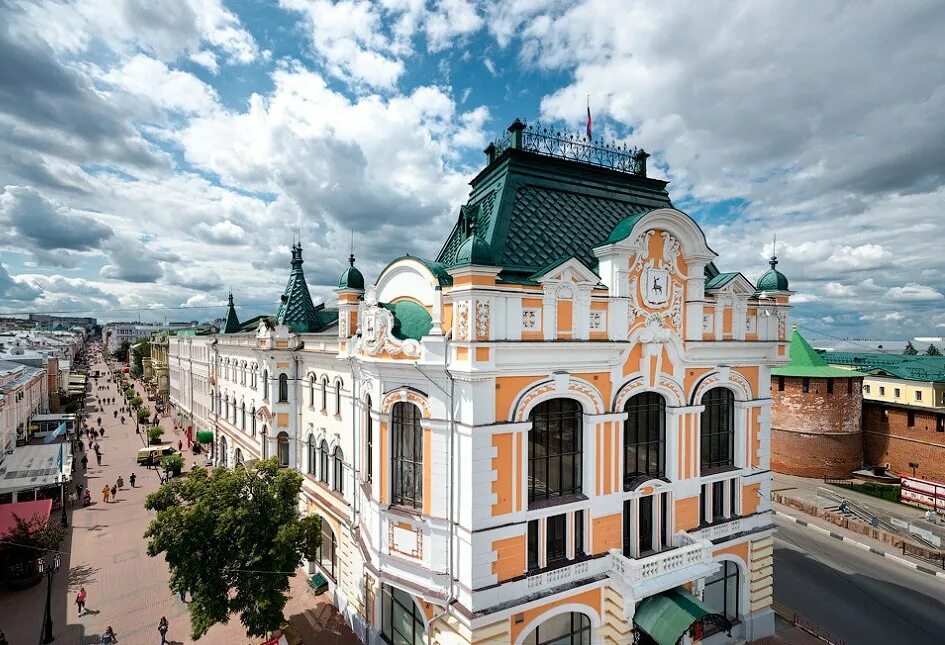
(671, 251)
(482, 319)
(655, 332)
(377, 335)
(529, 319)
(462, 321)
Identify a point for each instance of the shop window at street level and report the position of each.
(402, 622)
(325, 553)
(564, 629)
(721, 592)
(555, 450)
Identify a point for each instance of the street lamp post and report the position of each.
(48, 570)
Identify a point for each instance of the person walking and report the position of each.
(180, 445)
(78, 490)
(85, 462)
(114, 493)
(162, 629)
(98, 458)
(80, 600)
(105, 492)
(132, 478)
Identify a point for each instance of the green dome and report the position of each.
(773, 280)
(351, 278)
(474, 251)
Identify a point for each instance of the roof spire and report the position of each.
(774, 252)
(231, 323)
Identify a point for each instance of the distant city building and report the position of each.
(816, 415)
(116, 333)
(24, 393)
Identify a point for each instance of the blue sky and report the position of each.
(153, 156)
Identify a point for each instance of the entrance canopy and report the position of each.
(36, 466)
(667, 616)
(24, 511)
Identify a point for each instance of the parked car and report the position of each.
(152, 455)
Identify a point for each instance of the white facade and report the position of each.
(117, 333)
(189, 359)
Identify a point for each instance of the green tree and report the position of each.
(154, 434)
(135, 402)
(232, 539)
(121, 353)
(143, 414)
(27, 541)
(138, 352)
(932, 351)
(910, 350)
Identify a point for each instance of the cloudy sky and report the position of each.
(156, 154)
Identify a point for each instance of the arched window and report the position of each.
(644, 438)
(311, 455)
(338, 385)
(323, 462)
(325, 553)
(369, 440)
(564, 629)
(401, 619)
(238, 458)
(243, 415)
(555, 449)
(407, 456)
(264, 444)
(718, 429)
(233, 418)
(252, 421)
(324, 393)
(282, 440)
(265, 385)
(283, 388)
(311, 390)
(221, 458)
(337, 478)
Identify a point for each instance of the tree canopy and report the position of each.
(933, 351)
(232, 538)
(910, 350)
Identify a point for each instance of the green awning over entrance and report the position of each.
(665, 617)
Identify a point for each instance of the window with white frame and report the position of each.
(719, 501)
(647, 525)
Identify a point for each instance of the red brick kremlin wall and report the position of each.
(890, 439)
(816, 433)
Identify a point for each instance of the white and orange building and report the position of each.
(557, 431)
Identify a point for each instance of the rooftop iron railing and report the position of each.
(547, 141)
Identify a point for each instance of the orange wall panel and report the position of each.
(687, 513)
(482, 354)
(750, 499)
(608, 532)
(502, 465)
(510, 557)
(740, 550)
(565, 319)
(750, 372)
(507, 388)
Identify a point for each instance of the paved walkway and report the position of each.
(105, 552)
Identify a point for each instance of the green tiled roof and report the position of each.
(904, 366)
(410, 319)
(533, 210)
(231, 324)
(772, 279)
(807, 361)
(297, 311)
(436, 268)
(351, 278)
(720, 280)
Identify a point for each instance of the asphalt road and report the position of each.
(855, 595)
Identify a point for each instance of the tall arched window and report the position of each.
(369, 440)
(555, 449)
(311, 390)
(252, 421)
(338, 385)
(233, 418)
(311, 455)
(238, 458)
(265, 385)
(402, 622)
(721, 590)
(644, 438)
(718, 429)
(324, 393)
(337, 478)
(407, 455)
(283, 388)
(323, 462)
(564, 629)
(221, 458)
(243, 415)
(282, 440)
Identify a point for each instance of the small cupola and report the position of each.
(773, 280)
(351, 278)
(474, 250)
